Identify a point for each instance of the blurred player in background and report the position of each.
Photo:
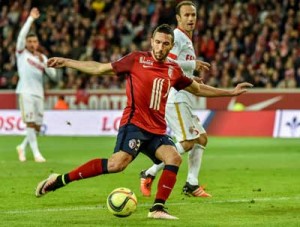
(149, 77)
(31, 68)
(190, 135)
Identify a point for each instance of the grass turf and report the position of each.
(254, 181)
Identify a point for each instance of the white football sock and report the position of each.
(31, 136)
(24, 143)
(179, 148)
(194, 161)
(154, 169)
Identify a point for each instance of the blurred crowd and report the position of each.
(247, 40)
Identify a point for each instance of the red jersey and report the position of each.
(147, 87)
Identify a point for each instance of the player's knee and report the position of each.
(203, 140)
(188, 144)
(116, 166)
(118, 162)
(174, 160)
(37, 128)
(30, 125)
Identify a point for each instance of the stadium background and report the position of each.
(255, 41)
(254, 180)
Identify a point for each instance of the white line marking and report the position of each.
(102, 207)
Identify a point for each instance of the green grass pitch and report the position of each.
(254, 182)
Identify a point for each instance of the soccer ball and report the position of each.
(121, 202)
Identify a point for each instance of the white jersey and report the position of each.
(31, 72)
(30, 68)
(184, 54)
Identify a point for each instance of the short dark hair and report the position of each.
(31, 34)
(164, 28)
(184, 3)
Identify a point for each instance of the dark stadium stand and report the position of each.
(256, 40)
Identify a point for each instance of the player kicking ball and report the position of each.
(149, 77)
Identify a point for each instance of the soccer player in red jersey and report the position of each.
(149, 75)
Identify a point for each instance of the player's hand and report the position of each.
(241, 88)
(35, 13)
(202, 65)
(198, 80)
(56, 62)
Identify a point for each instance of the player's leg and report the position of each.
(196, 149)
(124, 153)
(195, 160)
(161, 148)
(39, 116)
(21, 149)
(147, 176)
(95, 167)
(26, 107)
(189, 131)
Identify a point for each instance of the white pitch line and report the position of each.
(149, 205)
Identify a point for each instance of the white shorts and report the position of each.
(183, 124)
(32, 108)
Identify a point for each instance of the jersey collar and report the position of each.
(184, 32)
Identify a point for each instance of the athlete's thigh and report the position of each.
(150, 147)
(183, 124)
(39, 110)
(26, 104)
(130, 139)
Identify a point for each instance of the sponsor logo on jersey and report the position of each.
(144, 61)
(147, 66)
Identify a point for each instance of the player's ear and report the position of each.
(177, 17)
(152, 42)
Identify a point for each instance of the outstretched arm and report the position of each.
(21, 41)
(209, 91)
(197, 65)
(90, 67)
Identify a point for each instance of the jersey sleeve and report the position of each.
(51, 72)
(21, 41)
(182, 81)
(124, 64)
(187, 65)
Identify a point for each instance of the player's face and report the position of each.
(161, 44)
(187, 18)
(32, 43)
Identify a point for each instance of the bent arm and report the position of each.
(21, 41)
(187, 65)
(209, 91)
(51, 72)
(90, 67)
(197, 65)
